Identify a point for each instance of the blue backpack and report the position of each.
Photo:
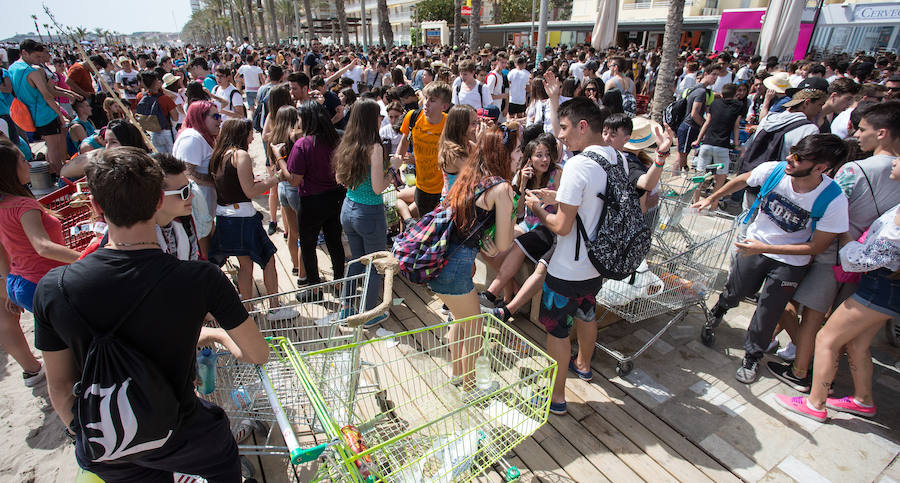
(819, 206)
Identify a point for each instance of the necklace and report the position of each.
(134, 244)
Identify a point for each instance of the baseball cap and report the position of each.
(804, 95)
(816, 83)
(492, 112)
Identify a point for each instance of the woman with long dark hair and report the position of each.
(359, 165)
(283, 131)
(478, 201)
(239, 230)
(321, 196)
(456, 141)
(31, 243)
(278, 97)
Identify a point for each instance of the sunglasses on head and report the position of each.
(184, 191)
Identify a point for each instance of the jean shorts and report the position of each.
(289, 196)
(238, 236)
(456, 277)
(21, 291)
(879, 293)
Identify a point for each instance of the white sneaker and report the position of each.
(772, 345)
(31, 379)
(282, 313)
(788, 353)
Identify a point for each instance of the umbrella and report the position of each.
(780, 29)
(604, 34)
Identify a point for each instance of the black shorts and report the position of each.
(426, 202)
(537, 244)
(687, 134)
(49, 129)
(516, 108)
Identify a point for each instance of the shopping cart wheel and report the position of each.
(707, 336)
(623, 368)
(892, 332)
(513, 474)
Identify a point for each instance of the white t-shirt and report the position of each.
(251, 77)
(494, 82)
(582, 178)
(745, 73)
(840, 122)
(577, 70)
(462, 95)
(191, 148)
(230, 94)
(686, 83)
(728, 78)
(180, 100)
(356, 74)
(783, 216)
(518, 84)
(128, 79)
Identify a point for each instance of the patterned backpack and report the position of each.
(622, 239)
(422, 250)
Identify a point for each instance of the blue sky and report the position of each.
(124, 16)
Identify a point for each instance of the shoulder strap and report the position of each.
(871, 191)
(480, 98)
(132, 310)
(413, 118)
(821, 204)
(768, 185)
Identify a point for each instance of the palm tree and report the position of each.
(457, 23)
(665, 83)
(342, 21)
(384, 23)
(36, 29)
(310, 27)
(79, 33)
(270, 5)
(475, 24)
(262, 22)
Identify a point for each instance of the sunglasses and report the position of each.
(184, 191)
(216, 116)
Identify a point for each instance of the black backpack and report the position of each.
(622, 239)
(259, 115)
(124, 406)
(674, 113)
(480, 98)
(767, 145)
(149, 106)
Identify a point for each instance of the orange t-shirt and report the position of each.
(80, 75)
(425, 138)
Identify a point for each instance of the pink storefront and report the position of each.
(739, 29)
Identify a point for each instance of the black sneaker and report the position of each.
(785, 374)
(487, 300)
(273, 227)
(501, 312)
(748, 372)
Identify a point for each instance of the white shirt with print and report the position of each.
(783, 216)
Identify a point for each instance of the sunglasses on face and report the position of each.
(184, 191)
(216, 116)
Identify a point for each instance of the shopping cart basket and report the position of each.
(424, 424)
(688, 254)
(72, 205)
(391, 215)
(316, 315)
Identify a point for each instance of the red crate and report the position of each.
(71, 216)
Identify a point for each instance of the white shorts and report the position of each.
(710, 155)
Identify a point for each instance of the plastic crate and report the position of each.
(60, 202)
(642, 103)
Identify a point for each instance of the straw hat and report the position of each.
(641, 133)
(170, 79)
(777, 82)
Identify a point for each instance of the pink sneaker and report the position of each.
(848, 405)
(798, 405)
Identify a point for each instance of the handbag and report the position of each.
(854, 277)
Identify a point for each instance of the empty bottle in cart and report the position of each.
(483, 373)
(206, 370)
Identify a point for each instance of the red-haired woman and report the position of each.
(478, 201)
(194, 146)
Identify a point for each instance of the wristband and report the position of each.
(663, 154)
(658, 163)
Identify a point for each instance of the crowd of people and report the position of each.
(522, 156)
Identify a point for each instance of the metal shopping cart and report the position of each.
(687, 257)
(391, 215)
(423, 424)
(321, 316)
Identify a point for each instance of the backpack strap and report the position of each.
(768, 185)
(871, 191)
(412, 120)
(821, 204)
(117, 325)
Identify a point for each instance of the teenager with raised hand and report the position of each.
(476, 206)
(359, 166)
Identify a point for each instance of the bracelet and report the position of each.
(657, 162)
(663, 154)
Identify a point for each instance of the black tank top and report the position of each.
(228, 185)
(484, 219)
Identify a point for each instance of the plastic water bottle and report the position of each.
(206, 370)
(483, 372)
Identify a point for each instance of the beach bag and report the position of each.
(124, 407)
(20, 115)
(621, 240)
(642, 284)
(422, 250)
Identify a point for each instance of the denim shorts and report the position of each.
(456, 277)
(289, 196)
(879, 293)
(237, 236)
(20, 291)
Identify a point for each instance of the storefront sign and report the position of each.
(877, 12)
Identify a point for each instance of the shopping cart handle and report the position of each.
(387, 265)
(299, 456)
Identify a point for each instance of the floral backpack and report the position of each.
(422, 249)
